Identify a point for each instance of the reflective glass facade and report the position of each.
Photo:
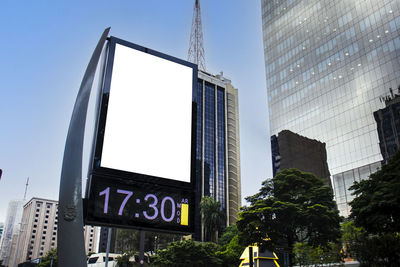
(209, 138)
(327, 63)
(217, 153)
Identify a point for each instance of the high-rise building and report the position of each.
(104, 238)
(11, 231)
(327, 63)
(39, 230)
(217, 145)
(91, 235)
(388, 124)
(291, 150)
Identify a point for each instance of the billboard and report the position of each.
(142, 173)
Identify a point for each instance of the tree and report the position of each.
(292, 207)
(376, 206)
(50, 259)
(212, 216)
(371, 249)
(306, 255)
(187, 253)
(128, 241)
(376, 214)
(229, 248)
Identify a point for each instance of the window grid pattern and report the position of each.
(329, 90)
(209, 139)
(221, 146)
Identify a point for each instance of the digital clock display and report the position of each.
(134, 205)
(143, 164)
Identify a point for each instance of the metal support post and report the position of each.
(108, 244)
(141, 255)
(70, 240)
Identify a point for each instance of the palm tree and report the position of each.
(212, 216)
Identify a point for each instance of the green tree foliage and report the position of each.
(212, 216)
(371, 250)
(375, 239)
(292, 207)
(229, 248)
(51, 255)
(229, 233)
(306, 255)
(128, 241)
(187, 253)
(376, 206)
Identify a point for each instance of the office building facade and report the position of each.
(10, 232)
(388, 125)
(327, 63)
(104, 238)
(39, 230)
(217, 144)
(291, 150)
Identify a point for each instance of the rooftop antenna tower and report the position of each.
(196, 48)
(26, 188)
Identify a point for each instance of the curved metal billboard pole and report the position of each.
(70, 240)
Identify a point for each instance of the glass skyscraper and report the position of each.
(217, 145)
(327, 63)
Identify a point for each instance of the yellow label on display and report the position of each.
(185, 214)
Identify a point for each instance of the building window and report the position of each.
(45, 227)
(34, 231)
(36, 220)
(37, 210)
(47, 216)
(33, 236)
(38, 205)
(47, 211)
(45, 221)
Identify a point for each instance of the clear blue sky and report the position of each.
(46, 46)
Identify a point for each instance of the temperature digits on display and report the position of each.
(145, 206)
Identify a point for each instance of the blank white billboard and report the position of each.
(149, 116)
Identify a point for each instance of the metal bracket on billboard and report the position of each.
(70, 239)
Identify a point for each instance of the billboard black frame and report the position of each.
(95, 169)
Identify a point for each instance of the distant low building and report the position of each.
(39, 232)
(10, 232)
(291, 150)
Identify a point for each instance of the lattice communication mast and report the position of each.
(196, 48)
